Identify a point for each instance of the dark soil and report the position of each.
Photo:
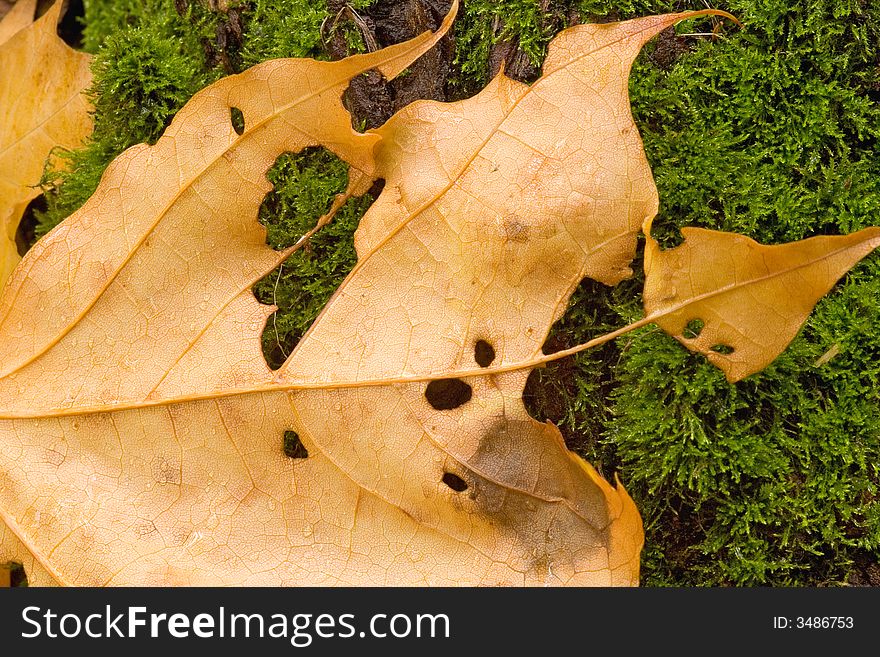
(865, 572)
(669, 47)
(371, 99)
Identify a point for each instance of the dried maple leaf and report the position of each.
(42, 107)
(157, 440)
(151, 426)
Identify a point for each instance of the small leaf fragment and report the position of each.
(751, 298)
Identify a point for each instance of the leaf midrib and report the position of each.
(420, 378)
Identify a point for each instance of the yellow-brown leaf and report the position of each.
(747, 301)
(142, 428)
(42, 107)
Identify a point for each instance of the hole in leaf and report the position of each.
(446, 394)
(455, 482)
(304, 187)
(70, 27)
(13, 574)
(293, 447)
(377, 188)
(573, 392)
(693, 329)
(725, 349)
(484, 353)
(25, 234)
(237, 118)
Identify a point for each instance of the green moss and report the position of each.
(279, 28)
(483, 23)
(530, 25)
(305, 184)
(770, 130)
(293, 28)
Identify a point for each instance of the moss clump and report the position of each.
(305, 184)
(284, 29)
(485, 23)
(770, 131)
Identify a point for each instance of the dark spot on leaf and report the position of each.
(25, 235)
(484, 353)
(376, 189)
(237, 118)
(293, 447)
(455, 482)
(516, 231)
(446, 394)
(725, 349)
(693, 329)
